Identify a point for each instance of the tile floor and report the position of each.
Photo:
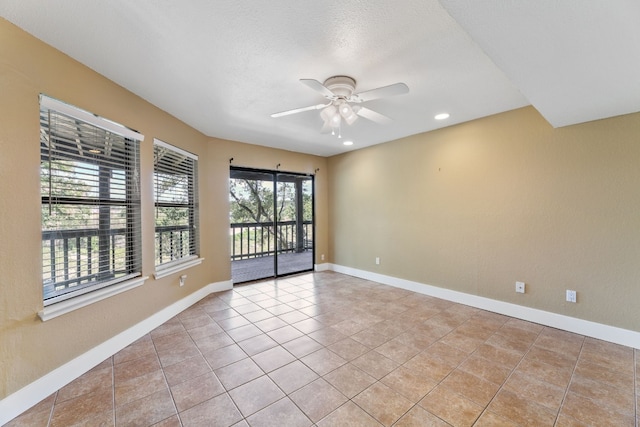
(326, 349)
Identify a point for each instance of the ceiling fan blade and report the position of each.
(318, 87)
(300, 110)
(381, 92)
(371, 115)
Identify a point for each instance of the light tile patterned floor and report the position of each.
(327, 349)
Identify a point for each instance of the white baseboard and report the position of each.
(322, 267)
(18, 402)
(559, 321)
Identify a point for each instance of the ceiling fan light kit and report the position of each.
(339, 90)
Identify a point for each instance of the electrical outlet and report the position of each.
(571, 296)
(322, 257)
(183, 278)
(520, 287)
(377, 260)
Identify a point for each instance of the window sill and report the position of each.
(174, 268)
(64, 307)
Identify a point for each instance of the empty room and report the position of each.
(415, 213)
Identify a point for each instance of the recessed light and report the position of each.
(347, 143)
(441, 116)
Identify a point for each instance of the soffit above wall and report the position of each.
(575, 60)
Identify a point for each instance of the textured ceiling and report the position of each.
(574, 60)
(224, 66)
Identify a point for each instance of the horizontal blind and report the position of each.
(90, 202)
(176, 203)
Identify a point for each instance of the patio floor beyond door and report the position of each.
(248, 269)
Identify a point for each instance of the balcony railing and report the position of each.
(77, 258)
(258, 239)
(173, 242)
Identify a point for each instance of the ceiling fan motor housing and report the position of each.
(341, 86)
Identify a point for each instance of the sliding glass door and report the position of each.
(253, 241)
(294, 223)
(271, 215)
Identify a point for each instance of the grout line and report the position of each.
(164, 375)
(635, 383)
(566, 391)
(513, 370)
(53, 405)
(113, 385)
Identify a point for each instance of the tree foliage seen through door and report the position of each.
(252, 201)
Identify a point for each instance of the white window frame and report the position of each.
(92, 291)
(192, 258)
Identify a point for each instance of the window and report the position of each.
(89, 176)
(176, 207)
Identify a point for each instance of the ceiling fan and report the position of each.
(339, 90)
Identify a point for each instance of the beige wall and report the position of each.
(478, 206)
(30, 348)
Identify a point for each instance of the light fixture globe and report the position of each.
(347, 113)
(328, 113)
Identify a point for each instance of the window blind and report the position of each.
(89, 175)
(176, 204)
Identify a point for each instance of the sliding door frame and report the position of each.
(275, 174)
